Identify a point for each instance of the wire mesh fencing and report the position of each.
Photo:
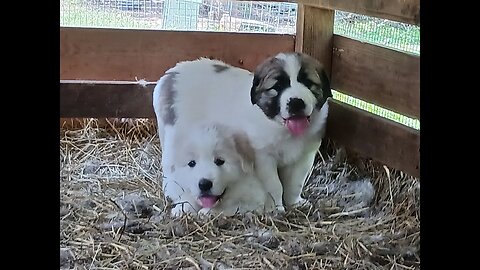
(386, 33)
(188, 15)
(229, 16)
(240, 16)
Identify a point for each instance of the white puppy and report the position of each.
(209, 169)
(282, 107)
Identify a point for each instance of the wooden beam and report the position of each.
(406, 11)
(126, 54)
(315, 34)
(299, 30)
(385, 77)
(375, 137)
(96, 99)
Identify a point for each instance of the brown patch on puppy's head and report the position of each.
(313, 76)
(270, 79)
(237, 143)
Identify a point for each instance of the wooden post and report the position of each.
(315, 33)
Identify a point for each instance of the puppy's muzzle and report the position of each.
(298, 121)
(296, 107)
(206, 198)
(205, 185)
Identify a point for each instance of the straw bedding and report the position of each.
(113, 216)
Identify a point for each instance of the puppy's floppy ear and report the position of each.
(265, 77)
(245, 151)
(253, 90)
(326, 90)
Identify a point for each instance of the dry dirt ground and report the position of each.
(112, 213)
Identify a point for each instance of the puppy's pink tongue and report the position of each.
(297, 125)
(208, 201)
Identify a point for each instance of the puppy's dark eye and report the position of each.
(282, 83)
(219, 161)
(308, 83)
(192, 163)
(303, 78)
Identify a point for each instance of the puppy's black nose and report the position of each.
(205, 185)
(296, 106)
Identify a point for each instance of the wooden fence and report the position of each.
(99, 69)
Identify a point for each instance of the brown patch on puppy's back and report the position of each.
(220, 68)
(167, 99)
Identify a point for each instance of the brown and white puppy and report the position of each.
(210, 170)
(281, 107)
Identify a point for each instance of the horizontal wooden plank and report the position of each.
(369, 135)
(385, 77)
(375, 137)
(83, 99)
(406, 11)
(125, 54)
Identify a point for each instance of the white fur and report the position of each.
(283, 162)
(235, 179)
(296, 89)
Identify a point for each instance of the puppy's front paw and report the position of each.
(300, 202)
(279, 209)
(273, 210)
(205, 212)
(182, 208)
(177, 211)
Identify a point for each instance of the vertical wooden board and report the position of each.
(300, 24)
(315, 34)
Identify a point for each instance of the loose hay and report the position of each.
(112, 213)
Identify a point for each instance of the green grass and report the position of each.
(369, 107)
